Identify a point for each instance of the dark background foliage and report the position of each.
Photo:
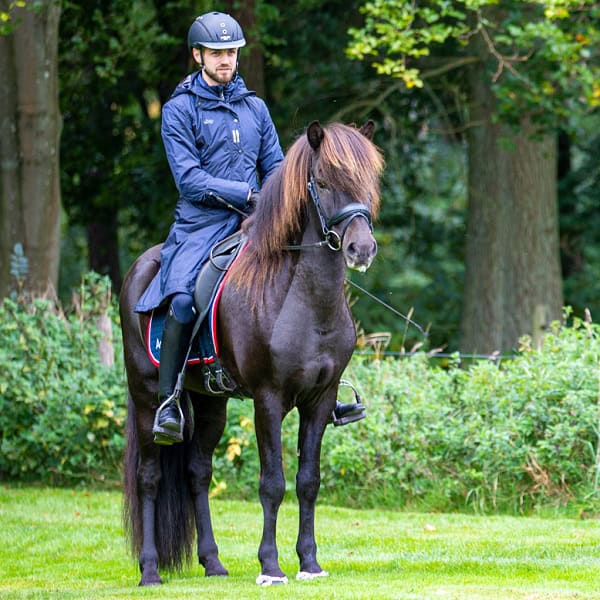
(119, 62)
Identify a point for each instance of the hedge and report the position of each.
(500, 436)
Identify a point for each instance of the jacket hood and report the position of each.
(195, 84)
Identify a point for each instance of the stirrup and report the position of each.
(216, 375)
(162, 435)
(355, 416)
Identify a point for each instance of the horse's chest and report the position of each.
(311, 346)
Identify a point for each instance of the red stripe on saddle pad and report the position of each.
(215, 304)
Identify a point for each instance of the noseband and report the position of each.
(331, 238)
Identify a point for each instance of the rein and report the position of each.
(331, 238)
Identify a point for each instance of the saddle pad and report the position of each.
(154, 337)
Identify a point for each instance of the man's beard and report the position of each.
(221, 78)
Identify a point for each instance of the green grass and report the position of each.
(57, 543)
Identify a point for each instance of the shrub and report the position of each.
(514, 436)
(511, 436)
(61, 410)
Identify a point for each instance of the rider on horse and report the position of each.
(221, 145)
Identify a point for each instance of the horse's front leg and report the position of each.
(210, 419)
(308, 481)
(268, 418)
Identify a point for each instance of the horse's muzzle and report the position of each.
(359, 253)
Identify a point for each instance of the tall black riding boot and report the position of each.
(168, 424)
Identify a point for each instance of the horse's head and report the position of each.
(344, 187)
(335, 168)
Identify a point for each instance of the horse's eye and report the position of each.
(321, 185)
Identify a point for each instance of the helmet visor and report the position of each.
(220, 45)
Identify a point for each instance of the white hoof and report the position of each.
(306, 576)
(268, 580)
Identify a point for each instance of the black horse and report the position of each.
(286, 335)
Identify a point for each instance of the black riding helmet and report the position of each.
(215, 30)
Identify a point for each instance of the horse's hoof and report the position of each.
(306, 576)
(152, 580)
(216, 570)
(268, 580)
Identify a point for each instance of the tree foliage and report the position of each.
(556, 41)
(522, 70)
(544, 52)
(133, 54)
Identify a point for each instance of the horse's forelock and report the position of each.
(350, 162)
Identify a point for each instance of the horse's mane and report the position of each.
(346, 161)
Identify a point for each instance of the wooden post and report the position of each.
(105, 346)
(540, 325)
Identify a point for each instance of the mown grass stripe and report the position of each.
(57, 543)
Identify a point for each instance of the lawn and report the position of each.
(57, 543)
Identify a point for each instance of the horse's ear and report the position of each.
(368, 129)
(315, 135)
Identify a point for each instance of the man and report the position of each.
(221, 145)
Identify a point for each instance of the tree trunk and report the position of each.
(252, 67)
(512, 248)
(103, 247)
(30, 125)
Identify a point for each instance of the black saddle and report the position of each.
(222, 255)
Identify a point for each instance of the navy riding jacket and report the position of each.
(220, 141)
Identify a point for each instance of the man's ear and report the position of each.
(197, 54)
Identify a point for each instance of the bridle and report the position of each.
(331, 238)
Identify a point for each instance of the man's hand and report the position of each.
(253, 200)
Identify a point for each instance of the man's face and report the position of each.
(219, 65)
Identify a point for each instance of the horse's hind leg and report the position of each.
(143, 474)
(210, 418)
(148, 480)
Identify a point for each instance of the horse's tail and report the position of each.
(174, 516)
